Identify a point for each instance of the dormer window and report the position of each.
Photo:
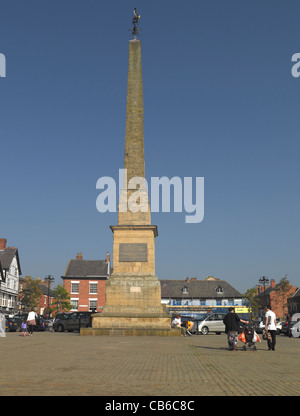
(219, 290)
(185, 290)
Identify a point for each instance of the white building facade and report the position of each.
(9, 283)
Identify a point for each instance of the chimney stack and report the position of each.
(3, 242)
(107, 257)
(108, 263)
(187, 280)
(79, 256)
(273, 284)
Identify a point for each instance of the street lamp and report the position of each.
(263, 280)
(49, 279)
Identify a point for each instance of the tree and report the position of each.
(283, 290)
(31, 294)
(61, 300)
(252, 302)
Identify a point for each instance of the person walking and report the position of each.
(31, 321)
(270, 326)
(24, 327)
(231, 321)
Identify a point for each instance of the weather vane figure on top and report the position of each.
(135, 22)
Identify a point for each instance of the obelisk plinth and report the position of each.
(133, 294)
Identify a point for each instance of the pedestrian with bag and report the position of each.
(231, 321)
(270, 328)
(31, 320)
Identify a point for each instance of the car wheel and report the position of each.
(204, 330)
(60, 328)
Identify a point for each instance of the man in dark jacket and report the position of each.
(231, 321)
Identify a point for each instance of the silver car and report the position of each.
(212, 323)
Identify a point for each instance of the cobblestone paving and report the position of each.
(69, 364)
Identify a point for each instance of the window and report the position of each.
(74, 304)
(75, 287)
(93, 304)
(219, 289)
(185, 290)
(202, 302)
(93, 288)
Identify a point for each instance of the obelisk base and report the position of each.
(133, 308)
(172, 332)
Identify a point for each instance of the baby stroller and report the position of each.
(249, 338)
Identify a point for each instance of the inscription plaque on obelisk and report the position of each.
(133, 294)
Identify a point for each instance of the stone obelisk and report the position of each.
(133, 294)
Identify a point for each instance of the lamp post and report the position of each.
(49, 279)
(263, 280)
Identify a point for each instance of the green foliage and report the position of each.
(251, 302)
(31, 294)
(61, 300)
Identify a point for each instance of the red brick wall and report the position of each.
(43, 305)
(84, 294)
(276, 301)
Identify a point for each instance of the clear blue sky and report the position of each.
(220, 103)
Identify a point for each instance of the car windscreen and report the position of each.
(201, 317)
(63, 316)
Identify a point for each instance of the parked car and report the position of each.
(287, 326)
(12, 325)
(279, 326)
(211, 323)
(62, 315)
(72, 321)
(49, 324)
(259, 326)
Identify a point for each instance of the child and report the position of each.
(189, 326)
(24, 328)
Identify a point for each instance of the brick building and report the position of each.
(85, 282)
(273, 296)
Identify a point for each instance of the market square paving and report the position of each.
(67, 364)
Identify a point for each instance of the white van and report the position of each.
(212, 323)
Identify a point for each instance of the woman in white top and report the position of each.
(270, 327)
(31, 321)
